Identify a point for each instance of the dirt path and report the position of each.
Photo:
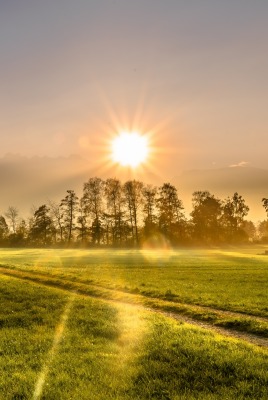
(247, 337)
(34, 275)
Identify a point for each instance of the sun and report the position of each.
(130, 149)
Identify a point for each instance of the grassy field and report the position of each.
(75, 324)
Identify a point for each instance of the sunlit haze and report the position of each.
(75, 74)
(129, 149)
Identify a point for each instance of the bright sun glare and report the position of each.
(129, 149)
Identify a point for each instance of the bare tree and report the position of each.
(114, 197)
(134, 200)
(149, 209)
(12, 216)
(93, 203)
(57, 215)
(82, 222)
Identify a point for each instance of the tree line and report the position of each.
(132, 214)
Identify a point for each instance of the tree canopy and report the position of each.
(112, 213)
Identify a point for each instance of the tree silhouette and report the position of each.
(12, 216)
(263, 231)
(265, 204)
(69, 205)
(170, 212)
(234, 211)
(114, 215)
(93, 203)
(149, 209)
(57, 215)
(42, 228)
(82, 223)
(206, 217)
(3, 228)
(133, 198)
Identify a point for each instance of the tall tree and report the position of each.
(149, 209)
(57, 215)
(171, 218)
(206, 215)
(240, 209)
(133, 199)
(19, 237)
(12, 215)
(93, 202)
(42, 227)
(82, 222)
(234, 212)
(263, 231)
(250, 230)
(3, 228)
(69, 206)
(21, 232)
(114, 216)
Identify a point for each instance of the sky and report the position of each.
(192, 75)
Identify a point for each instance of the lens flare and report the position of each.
(157, 248)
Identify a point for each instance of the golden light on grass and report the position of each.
(133, 327)
(43, 375)
(130, 149)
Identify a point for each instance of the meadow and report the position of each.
(119, 324)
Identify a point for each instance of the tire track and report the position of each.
(108, 295)
(63, 282)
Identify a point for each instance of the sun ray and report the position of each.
(53, 351)
(129, 119)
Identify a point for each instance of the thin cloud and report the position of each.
(240, 164)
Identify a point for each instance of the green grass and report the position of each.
(93, 349)
(201, 284)
(184, 362)
(230, 280)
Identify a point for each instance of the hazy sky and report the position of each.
(192, 73)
